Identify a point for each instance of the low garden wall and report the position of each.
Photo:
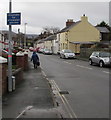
(21, 65)
(18, 74)
(86, 52)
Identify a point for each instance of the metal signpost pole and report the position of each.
(12, 19)
(10, 54)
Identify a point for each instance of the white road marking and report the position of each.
(27, 108)
(84, 67)
(67, 62)
(107, 72)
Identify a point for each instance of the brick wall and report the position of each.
(20, 62)
(25, 61)
(18, 73)
(3, 78)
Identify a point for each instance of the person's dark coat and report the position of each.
(35, 58)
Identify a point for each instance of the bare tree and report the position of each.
(51, 30)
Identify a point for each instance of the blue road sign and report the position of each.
(13, 18)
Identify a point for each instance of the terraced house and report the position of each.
(77, 33)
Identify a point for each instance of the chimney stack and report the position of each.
(69, 22)
(84, 18)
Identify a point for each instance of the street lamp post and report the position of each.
(25, 35)
(19, 42)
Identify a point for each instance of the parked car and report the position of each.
(37, 49)
(58, 52)
(66, 53)
(100, 58)
(41, 50)
(13, 50)
(31, 49)
(4, 52)
(47, 51)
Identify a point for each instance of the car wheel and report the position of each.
(101, 64)
(90, 62)
(62, 56)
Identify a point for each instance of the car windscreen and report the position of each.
(67, 51)
(105, 54)
(47, 50)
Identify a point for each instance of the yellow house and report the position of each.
(77, 33)
(48, 44)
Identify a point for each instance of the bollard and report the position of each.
(13, 82)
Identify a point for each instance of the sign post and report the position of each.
(12, 19)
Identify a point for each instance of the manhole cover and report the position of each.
(36, 88)
(64, 92)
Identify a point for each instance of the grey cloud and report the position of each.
(41, 14)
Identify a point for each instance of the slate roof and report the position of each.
(7, 32)
(31, 36)
(69, 27)
(77, 42)
(103, 29)
(40, 41)
(51, 37)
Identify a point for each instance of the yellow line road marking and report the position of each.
(65, 102)
(62, 100)
(44, 73)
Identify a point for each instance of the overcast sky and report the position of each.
(45, 13)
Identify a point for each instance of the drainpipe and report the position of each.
(67, 41)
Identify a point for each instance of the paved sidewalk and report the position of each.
(31, 99)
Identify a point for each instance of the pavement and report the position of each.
(33, 98)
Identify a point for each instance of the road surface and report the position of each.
(88, 86)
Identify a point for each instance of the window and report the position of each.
(95, 54)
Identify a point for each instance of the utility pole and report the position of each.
(10, 53)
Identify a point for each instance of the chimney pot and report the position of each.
(69, 22)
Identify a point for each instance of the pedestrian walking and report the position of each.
(35, 59)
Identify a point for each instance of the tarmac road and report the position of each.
(88, 86)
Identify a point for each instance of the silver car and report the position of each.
(47, 51)
(66, 53)
(100, 58)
